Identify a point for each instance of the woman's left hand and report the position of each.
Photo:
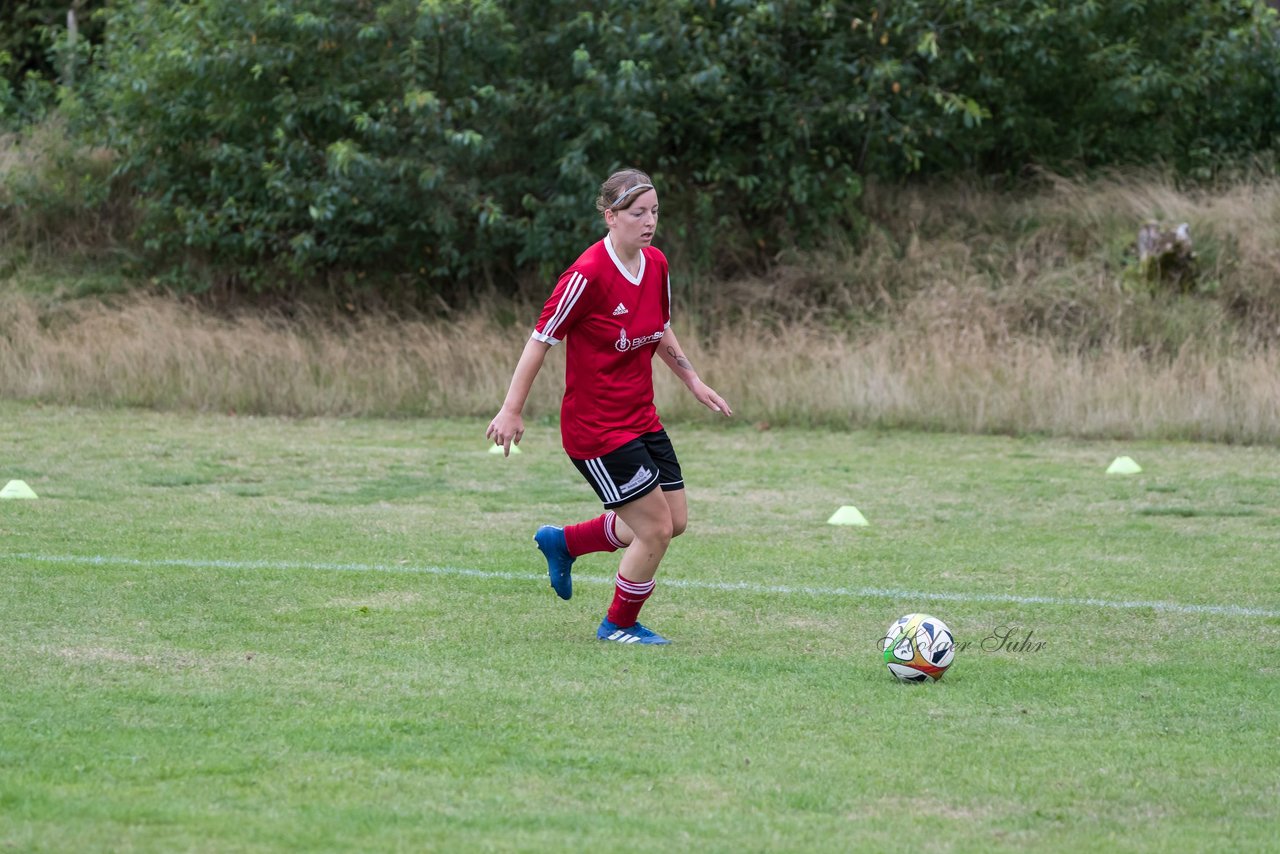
(708, 397)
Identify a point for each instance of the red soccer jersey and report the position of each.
(613, 324)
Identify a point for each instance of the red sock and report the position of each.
(628, 598)
(593, 535)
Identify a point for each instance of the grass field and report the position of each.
(246, 634)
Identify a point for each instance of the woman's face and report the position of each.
(634, 226)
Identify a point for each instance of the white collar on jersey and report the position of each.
(622, 268)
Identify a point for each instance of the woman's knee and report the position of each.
(650, 521)
(679, 510)
(660, 531)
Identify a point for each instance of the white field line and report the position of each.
(741, 586)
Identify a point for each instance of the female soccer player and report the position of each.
(613, 308)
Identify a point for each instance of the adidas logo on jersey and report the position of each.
(621, 309)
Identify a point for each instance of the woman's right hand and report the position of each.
(504, 429)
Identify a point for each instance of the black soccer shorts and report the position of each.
(633, 470)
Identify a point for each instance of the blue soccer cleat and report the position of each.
(632, 634)
(550, 540)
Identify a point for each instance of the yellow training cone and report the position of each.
(497, 449)
(847, 515)
(1123, 465)
(17, 489)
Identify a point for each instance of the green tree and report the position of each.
(35, 51)
(1093, 83)
(448, 145)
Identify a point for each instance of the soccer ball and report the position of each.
(918, 648)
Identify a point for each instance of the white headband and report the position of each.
(620, 199)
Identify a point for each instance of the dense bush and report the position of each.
(457, 141)
(54, 194)
(36, 53)
(452, 143)
(1095, 83)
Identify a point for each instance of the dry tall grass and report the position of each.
(170, 354)
(966, 310)
(167, 354)
(962, 381)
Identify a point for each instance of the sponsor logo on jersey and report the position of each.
(623, 344)
(621, 309)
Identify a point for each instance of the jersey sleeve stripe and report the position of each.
(668, 318)
(572, 291)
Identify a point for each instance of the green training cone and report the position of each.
(847, 515)
(17, 489)
(1123, 465)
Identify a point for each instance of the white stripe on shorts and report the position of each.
(604, 483)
